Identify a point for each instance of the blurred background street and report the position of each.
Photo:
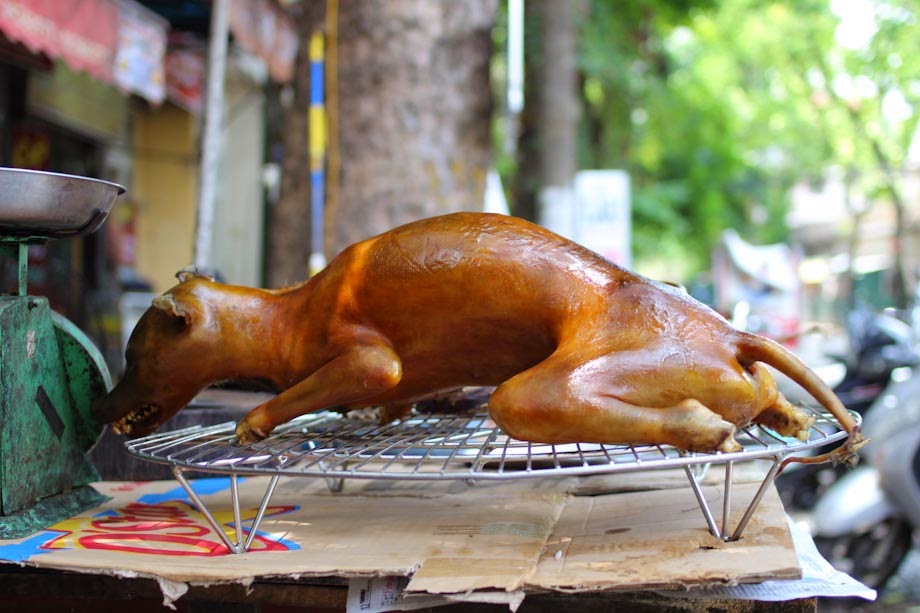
(764, 155)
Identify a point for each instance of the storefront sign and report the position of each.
(141, 49)
(602, 214)
(263, 29)
(74, 100)
(185, 77)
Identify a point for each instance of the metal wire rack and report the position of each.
(436, 447)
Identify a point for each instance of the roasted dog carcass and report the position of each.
(579, 348)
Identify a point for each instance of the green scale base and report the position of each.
(49, 374)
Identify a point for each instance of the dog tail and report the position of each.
(753, 348)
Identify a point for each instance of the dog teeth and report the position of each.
(126, 424)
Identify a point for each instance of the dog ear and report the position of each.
(167, 303)
(191, 272)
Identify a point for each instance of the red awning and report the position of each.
(83, 33)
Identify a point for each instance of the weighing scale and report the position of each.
(50, 371)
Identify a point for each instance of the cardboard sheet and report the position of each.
(659, 539)
(450, 537)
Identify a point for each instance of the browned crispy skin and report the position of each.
(580, 349)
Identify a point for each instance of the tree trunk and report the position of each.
(526, 181)
(415, 105)
(288, 241)
(558, 95)
(558, 111)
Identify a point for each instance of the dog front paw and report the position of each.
(246, 434)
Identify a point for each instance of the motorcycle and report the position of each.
(879, 344)
(866, 521)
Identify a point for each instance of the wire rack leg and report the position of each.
(269, 491)
(724, 533)
(334, 484)
(727, 498)
(235, 499)
(704, 504)
(239, 545)
(764, 486)
(215, 525)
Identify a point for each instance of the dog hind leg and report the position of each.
(558, 401)
(786, 419)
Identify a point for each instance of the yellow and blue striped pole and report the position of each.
(317, 144)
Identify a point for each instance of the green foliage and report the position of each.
(718, 108)
(668, 99)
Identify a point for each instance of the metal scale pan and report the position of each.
(41, 205)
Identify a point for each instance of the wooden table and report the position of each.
(32, 589)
